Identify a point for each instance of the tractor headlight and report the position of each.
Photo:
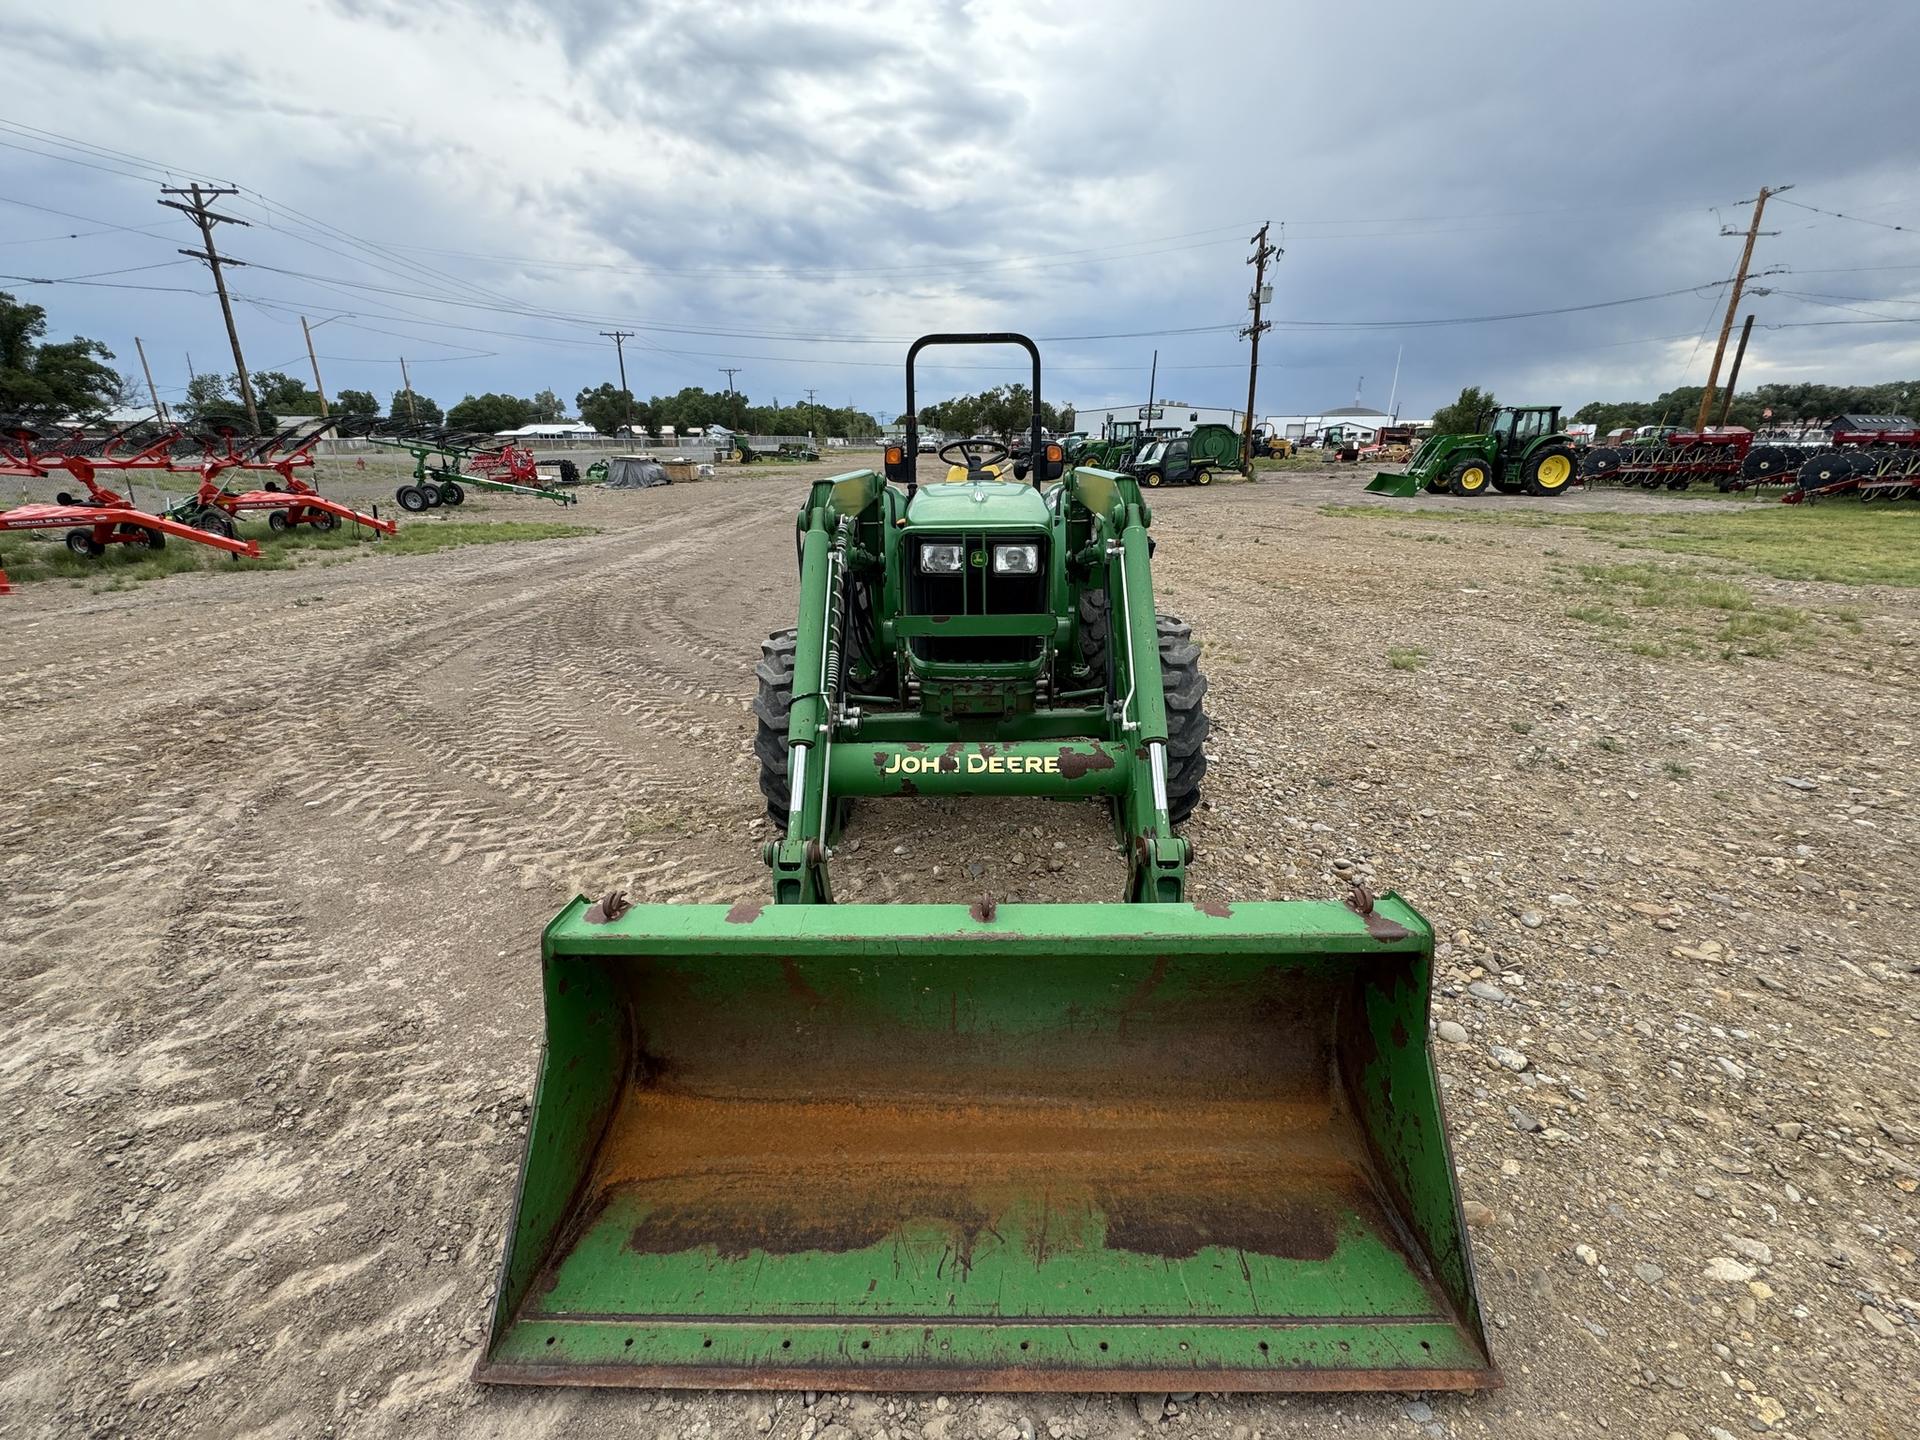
(1016, 559)
(938, 559)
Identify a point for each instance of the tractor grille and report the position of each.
(976, 590)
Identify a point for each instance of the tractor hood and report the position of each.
(965, 505)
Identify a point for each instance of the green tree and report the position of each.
(1467, 415)
(58, 381)
(283, 394)
(490, 412)
(213, 403)
(547, 408)
(605, 408)
(421, 409)
(355, 402)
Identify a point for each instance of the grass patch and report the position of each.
(27, 560)
(1840, 541)
(1406, 657)
(1674, 770)
(1692, 613)
(1520, 727)
(1609, 744)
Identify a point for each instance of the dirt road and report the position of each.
(277, 848)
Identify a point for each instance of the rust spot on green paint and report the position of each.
(1219, 909)
(744, 912)
(1075, 763)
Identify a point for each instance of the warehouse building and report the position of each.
(1098, 421)
(1360, 420)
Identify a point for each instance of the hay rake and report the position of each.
(447, 462)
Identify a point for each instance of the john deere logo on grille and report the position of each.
(979, 557)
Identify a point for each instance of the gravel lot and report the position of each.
(277, 848)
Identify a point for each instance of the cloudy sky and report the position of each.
(797, 189)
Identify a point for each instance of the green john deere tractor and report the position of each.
(1150, 1144)
(1523, 448)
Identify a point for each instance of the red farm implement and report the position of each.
(1674, 459)
(288, 500)
(446, 463)
(103, 517)
(1871, 457)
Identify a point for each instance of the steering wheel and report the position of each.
(972, 452)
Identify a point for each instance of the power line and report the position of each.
(1857, 219)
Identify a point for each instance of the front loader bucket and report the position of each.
(1048, 1147)
(1402, 486)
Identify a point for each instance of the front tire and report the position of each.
(82, 543)
(411, 498)
(1469, 477)
(770, 706)
(1152, 479)
(452, 494)
(1183, 684)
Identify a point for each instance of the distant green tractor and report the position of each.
(1523, 449)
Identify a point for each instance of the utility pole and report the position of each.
(413, 413)
(1733, 300)
(813, 419)
(1153, 383)
(1262, 292)
(620, 338)
(190, 373)
(206, 220)
(158, 409)
(312, 360)
(1733, 375)
(732, 394)
(1393, 395)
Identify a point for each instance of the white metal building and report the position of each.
(1098, 421)
(1362, 419)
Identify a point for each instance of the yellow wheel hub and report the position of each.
(1554, 472)
(1473, 479)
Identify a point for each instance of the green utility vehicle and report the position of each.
(1185, 459)
(1523, 448)
(1162, 1142)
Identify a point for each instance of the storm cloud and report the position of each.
(794, 189)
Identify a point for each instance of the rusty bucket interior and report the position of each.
(904, 1147)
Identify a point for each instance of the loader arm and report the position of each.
(1122, 754)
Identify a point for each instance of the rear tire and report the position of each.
(1549, 470)
(410, 498)
(156, 540)
(1152, 479)
(1203, 477)
(431, 494)
(770, 707)
(451, 493)
(277, 521)
(82, 543)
